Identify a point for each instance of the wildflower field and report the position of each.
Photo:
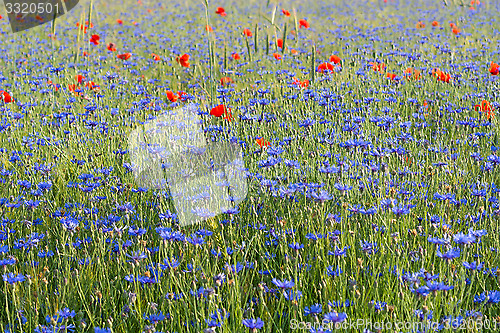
(370, 145)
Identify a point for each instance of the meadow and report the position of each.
(370, 139)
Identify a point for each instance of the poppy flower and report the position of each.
(325, 67)
(435, 23)
(247, 32)
(303, 84)
(377, 66)
(221, 11)
(92, 86)
(155, 57)
(277, 56)
(5, 97)
(294, 52)
(221, 110)
(119, 21)
(391, 76)
(279, 41)
(412, 73)
(335, 59)
(262, 143)
(183, 96)
(80, 78)
(285, 12)
(420, 25)
(183, 60)
(304, 23)
(171, 96)
(111, 47)
(226, 80)
(95, 39)
(124, 56)
(456, 31)
(441, 76)
(209, 28)
(486, 108)
(494, 68)
(235, 56)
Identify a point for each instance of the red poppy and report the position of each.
(304, 23)
(209, 28)
(80, 78)
(235, 56)
(92, 86)
(303, 84)
(391, 76)
(171, 96)
(441, 76)
(226, 80)
(335, 59)
(262, 143)
(279, 41)
(294, 52)
(221, 110)
(247, 32)
(221, 11)
(111, 47)
(456, 31)
(420, 25)
(5, 97)
(155, 57)
(183, 60)
(95, 39)
(325, 67)
(412, 73)
(435, 23)
(277, 56)
(124, 56)
(285, 12)
(494, 68)
(182, 96)
(486, 108)
(377, 67)
(119, 21)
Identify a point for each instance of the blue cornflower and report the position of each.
(313, 310)
(11, 278)
(473, 265)
(155, 318)
(296, 246)
(462, 238)
(283, 284)
(136, 256)
(101, 330)
(253, 324)
(369, 248)
(451, 254)
(335, 317)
